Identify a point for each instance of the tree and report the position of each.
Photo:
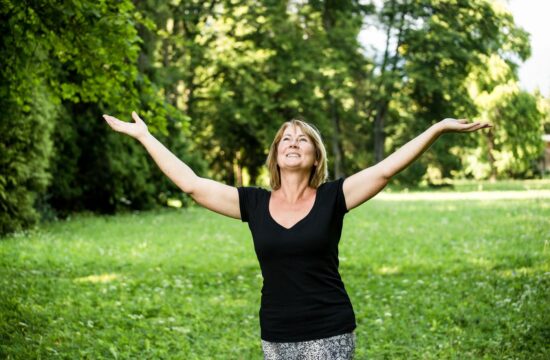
(57, 83)
(515, 143)
(431, 48)
(41, 67)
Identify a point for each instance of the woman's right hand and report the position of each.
(137, 129)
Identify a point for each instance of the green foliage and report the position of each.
(214, 80)
(432, 279)
(87, 61)
(245, 69)
(435, 47)
(62, 81)
(25, 152)
(519, 132)
(108, 173)
(544, 107)
(411, 175)
(515, 143)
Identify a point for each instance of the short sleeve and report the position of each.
(340, 198)
(248, 201)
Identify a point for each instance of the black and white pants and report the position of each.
(339, 347)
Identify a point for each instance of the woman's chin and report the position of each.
(298, 165)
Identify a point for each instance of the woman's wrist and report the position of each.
(144, 137)
(437, 128)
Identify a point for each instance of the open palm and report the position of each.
(137, 129)
(461, 125)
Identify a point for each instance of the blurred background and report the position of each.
(215, 79)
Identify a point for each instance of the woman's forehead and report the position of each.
(293, 130)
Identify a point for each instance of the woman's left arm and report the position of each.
(365, 184)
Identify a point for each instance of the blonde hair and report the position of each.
(319, 173)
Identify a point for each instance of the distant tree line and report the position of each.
(215, 79)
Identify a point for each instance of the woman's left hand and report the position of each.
(461, 125)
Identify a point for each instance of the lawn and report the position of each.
(439, 278)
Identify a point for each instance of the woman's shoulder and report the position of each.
(333, 193)
(331, 185)
(253, 190)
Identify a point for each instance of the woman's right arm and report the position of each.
(213, 195)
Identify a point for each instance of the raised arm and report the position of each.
(213, 195)
(365, 184)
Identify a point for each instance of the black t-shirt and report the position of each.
(303, 296)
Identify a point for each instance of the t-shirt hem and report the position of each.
(308, 337)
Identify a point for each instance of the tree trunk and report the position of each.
(379, 134)
(328, 24)
(387, 84)
(336, 143)
(491, 145)
(237, 169)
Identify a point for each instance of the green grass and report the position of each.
(481, 185)
(439, 279)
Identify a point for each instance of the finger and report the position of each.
(114, 123)
(477, 127)
(136, 118)
(107, 118)
(474, 127)
(471, 126)
(110, 119)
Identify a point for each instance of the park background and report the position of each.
(102, 256)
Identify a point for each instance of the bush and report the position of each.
(26, 123)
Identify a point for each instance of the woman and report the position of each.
(305, 311)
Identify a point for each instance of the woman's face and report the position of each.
(295, 150)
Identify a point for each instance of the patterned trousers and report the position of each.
(339, 347)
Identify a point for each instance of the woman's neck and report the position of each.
(294, 187)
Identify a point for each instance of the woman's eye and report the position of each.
(303, 139)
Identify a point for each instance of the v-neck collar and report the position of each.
(299, 221)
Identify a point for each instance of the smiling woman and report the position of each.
(297, 153)
(305, 310)
(297, 138)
